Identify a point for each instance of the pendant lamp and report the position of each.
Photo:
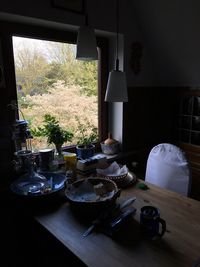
(116, 87)
(86, 41)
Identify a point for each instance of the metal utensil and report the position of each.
(89, 230)
(122, 217)
(127, 203)
(108, 214)
(102, 217)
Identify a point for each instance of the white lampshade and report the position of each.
(86, 44)
(116, 87)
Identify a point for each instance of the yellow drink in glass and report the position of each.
(70, 163)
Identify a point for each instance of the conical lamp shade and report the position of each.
(116, 88)
(86, 44)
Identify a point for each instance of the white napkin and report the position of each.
(113, 170)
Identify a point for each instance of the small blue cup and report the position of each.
(152, 226)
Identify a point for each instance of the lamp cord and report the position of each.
(86, 14)
(117, 34)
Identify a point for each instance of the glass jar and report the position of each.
(70, 165)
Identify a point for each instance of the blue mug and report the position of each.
(152, 226)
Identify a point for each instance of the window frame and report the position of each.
(8, 30)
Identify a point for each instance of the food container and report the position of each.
(110, 149)
(110, 146)
(119, 174)
(91, 195)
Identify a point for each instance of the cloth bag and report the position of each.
(168, 168)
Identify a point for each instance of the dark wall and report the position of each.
(149, 117)
(6, 113)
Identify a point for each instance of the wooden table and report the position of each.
(179, 247)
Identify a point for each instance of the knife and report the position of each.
(122, 217)
(105, 215)
(127, 203)
(89, 230)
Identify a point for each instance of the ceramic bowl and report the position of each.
(91, 195)
(110, 149)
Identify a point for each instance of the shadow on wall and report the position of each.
(149, 117)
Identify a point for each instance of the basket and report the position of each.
(119, 179)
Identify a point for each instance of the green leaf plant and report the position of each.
(85, 138)
(53, 131)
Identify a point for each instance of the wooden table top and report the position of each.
(179, 247)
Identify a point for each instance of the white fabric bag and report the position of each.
(168, 168)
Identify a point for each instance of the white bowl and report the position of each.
(110, 149)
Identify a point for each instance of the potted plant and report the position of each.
(54, 133)
(85, 147)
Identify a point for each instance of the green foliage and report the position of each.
(60, 53)
(86, 77)
(34, 73)
(37, 70)
(23, 102)
(31, 68)
(83, 74)
(52, 130)
(86, 138)
(62, 72)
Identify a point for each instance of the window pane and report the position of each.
(51, 81)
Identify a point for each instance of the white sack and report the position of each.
(168, 168)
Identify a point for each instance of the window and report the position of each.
(47, 73)
(189, 119)
(29, 93)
